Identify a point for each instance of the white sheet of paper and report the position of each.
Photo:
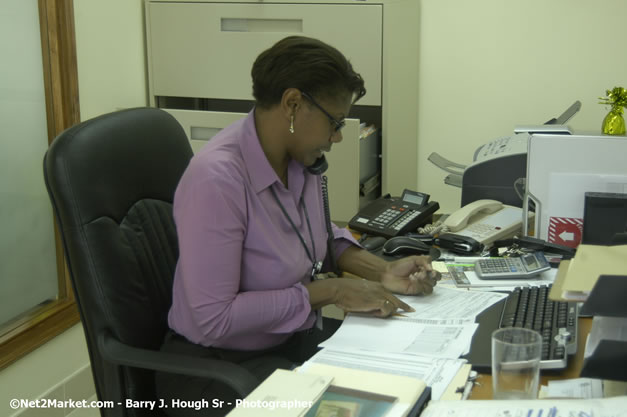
(371, 333)
(448, 306)
(606, 407)
(575, 388)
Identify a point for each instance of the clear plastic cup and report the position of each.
(516, 354)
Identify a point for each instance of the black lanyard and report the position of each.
(316, 266)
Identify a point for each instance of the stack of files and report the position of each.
(576, 278)
(438, 374)
(425, 344)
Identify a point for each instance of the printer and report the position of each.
(499, 167)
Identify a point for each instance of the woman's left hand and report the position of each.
(411, 276)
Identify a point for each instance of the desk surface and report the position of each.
(575, 363)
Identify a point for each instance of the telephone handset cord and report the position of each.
(327, 219)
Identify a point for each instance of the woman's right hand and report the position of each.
(363, 296)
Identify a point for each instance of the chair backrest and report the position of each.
(111, 181)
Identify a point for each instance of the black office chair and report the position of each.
(111, 181)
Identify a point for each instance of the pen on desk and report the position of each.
(467, 389)
(469, 384)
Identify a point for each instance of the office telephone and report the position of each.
(486, 221)
(319, 166)
(394, 216)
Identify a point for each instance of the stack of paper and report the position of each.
(442, 326)
(436, 373)
(576, 278)
(425, 344)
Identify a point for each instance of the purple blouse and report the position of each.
(239, 279)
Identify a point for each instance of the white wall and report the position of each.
(43, 371)
(488, 65)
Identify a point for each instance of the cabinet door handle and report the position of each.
(261, 25)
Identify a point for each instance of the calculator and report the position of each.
(525, 266)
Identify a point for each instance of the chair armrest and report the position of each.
(235, 376)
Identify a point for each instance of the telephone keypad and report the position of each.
(387, 216)
(396, 217)
(406, 218)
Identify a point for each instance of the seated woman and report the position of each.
(251, 228)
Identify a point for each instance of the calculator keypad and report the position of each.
(494, 265)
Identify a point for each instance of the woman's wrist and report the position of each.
(385, 269)
(362, 263)
(323, 292)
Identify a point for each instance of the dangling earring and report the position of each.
(292, 124)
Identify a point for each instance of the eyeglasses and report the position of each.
(337, 125)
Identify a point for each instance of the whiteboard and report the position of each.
(560, 170)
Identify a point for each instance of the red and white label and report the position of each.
(565, 231)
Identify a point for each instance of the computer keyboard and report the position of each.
(556, 321)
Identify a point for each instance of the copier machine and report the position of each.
(499, 167)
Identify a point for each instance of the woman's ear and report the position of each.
(291, 101)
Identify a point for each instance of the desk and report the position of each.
(484, 391)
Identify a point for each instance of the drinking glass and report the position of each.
(516, 354)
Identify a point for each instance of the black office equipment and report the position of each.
(607, 299)
(463, 245)
(534, 244)
(373, 243)
(393, 216)
(531, 308)
(604, 218)
(404, 245)
(111, 181)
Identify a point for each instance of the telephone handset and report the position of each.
(459, 219)
(486, 221)
(319, 167)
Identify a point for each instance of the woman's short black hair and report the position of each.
(307, 64)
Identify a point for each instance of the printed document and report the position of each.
(371, 333)
(605, 407)
(448, 306)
